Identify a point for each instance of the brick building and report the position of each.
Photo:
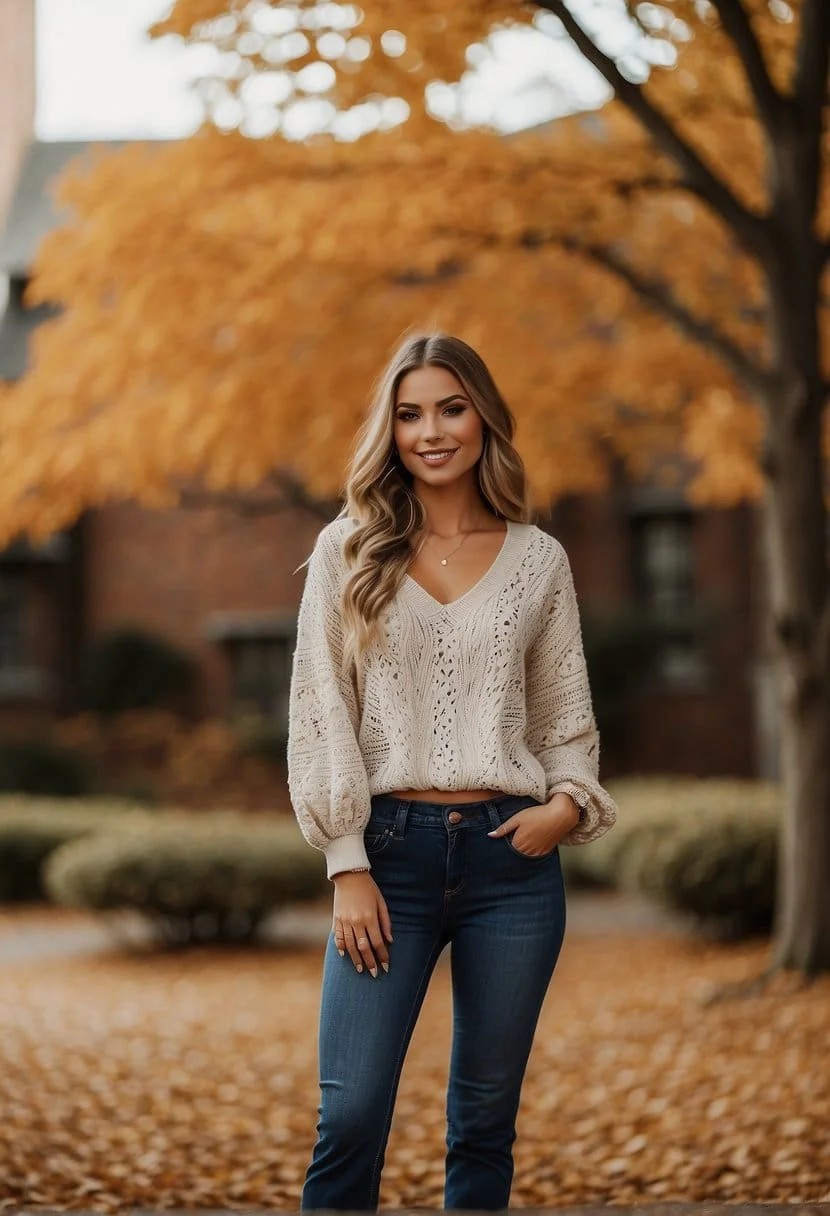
(221, 585)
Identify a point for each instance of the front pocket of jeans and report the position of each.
(506, 814)
(376, 842)
(527, 856)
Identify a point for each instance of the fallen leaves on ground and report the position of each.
(191, 1081)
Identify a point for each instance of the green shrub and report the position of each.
(30, 830)
(207, 882)
(36, 766)
(703, 847)
(131, 668)
(720, 869)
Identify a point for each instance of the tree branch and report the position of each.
(810, 87)
(748, 227)
(735, 21)
(661, 297)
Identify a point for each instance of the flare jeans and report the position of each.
(503, 914)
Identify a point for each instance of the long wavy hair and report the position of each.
(378, 488)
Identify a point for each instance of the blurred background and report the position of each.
(217, 219)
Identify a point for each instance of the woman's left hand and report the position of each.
(538, 829)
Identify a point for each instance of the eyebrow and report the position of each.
(444, 401)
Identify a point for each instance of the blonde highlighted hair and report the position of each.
(378, 488)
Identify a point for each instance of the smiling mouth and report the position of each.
(435, 457)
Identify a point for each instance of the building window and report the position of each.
(261, 673)
(12, 613)
(19, 678)
(664, 583)
(259, 647)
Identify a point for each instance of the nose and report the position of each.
(427, 425)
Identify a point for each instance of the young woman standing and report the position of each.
(442, 745)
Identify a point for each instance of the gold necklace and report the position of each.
(455, 550)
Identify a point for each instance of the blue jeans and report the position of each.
(444, 880)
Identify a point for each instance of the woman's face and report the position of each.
(432, 414)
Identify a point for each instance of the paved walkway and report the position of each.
(44, 932)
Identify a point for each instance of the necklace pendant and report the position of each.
(443, 561)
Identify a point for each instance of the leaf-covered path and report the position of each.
(190, 1081)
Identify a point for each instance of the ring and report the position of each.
(364, 941)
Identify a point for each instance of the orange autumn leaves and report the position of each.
(227, 302)
(191, 1081)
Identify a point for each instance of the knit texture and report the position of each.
(489, 691)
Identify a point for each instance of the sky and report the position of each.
(101, 77)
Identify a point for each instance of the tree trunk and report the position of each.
(796, 534)
(795, 552)
(796, 540)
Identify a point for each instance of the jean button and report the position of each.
(455, 816)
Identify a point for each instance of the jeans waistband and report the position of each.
(403, 810)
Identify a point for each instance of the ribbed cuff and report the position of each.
(579, 794)
(345, 853)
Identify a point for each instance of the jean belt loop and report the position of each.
(492, 813)
(400, 817)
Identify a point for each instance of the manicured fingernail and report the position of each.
(493, 833)
(373, 971)
(342, 953)
(359, 967)
(385, 967)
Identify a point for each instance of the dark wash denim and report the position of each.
(503, 912)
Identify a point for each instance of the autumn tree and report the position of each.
(644, 279)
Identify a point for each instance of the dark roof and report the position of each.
(32, 215)
(16, 327)
(33, 212)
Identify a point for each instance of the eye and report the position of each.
(405, 415)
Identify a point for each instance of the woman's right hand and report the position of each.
(361, 920)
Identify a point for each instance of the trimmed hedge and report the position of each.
(723, 870)
(31, 829)
(704, 847)
(214, 880)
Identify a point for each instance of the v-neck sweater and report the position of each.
(488, 691)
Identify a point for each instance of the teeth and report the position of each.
(435, 456)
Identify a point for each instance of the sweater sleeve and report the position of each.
(561, 727)
(327, 779)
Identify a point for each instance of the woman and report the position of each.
(442, 745)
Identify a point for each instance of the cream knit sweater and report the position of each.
(489, 691)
